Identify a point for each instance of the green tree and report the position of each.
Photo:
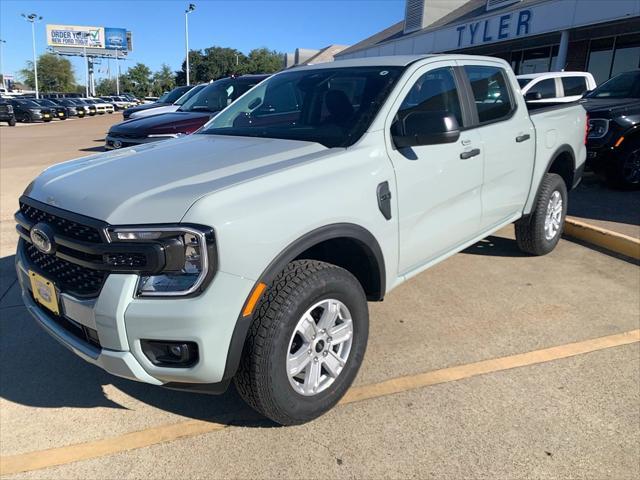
(55, 74)
(211, 64)
(163, 80)
(263, 60)
(136, 80)
(106, 86)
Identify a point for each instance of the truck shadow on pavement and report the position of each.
(37, 371)
(494, 246)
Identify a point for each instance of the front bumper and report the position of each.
(121, 321)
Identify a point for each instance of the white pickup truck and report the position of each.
(249, 250)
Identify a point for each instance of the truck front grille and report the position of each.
(63, 226)
(68, 277)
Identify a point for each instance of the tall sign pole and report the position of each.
(190, 9)
(117, 74)
(1, 69)
(86, 72)
(33, 18)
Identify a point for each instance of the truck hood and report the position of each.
(608, 106)
(158, 182)
(176, 122)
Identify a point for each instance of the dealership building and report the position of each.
(599, 36)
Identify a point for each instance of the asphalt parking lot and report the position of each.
(489, 365)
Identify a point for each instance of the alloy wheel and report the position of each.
(319, 347)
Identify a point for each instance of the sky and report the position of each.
(158, 26)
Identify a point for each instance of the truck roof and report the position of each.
(552, 75)
(391, 61)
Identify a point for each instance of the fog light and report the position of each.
(170, 354)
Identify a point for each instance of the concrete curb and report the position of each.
(601, 237)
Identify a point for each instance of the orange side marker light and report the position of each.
(253, 299)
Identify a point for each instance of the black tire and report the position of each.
(623, 171)
(12, 122)
(262, 379)
(530, 230)
(26, 118)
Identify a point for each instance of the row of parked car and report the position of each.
(28, 108)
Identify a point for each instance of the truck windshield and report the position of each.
(330, 106)
(217, 95)
(625, 85)
(174, 94)
(189, 94)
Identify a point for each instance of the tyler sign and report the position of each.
(503, 27)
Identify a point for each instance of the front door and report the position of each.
(439, 186)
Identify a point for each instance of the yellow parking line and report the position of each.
(411, 382)
(24, 462)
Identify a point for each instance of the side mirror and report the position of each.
(427, 128)
(533, 96)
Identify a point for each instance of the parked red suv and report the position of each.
(197, 111)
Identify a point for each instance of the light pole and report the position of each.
(190, 9)
(32, 18)
(117, 74)
(1, 70)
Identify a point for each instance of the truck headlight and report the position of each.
(598, 127)
(189, 257)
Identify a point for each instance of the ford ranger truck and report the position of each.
(248, 251)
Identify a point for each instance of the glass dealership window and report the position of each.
(627, 54)
(611, 56)
(535, 60)
(600, 58)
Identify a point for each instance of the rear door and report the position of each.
(438, 188)
(507, 137)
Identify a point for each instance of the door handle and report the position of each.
(470, 153)
(523, 138)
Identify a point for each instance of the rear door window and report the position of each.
(574, 86)
(491, 93)
(546, 88)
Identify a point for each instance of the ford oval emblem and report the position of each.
(42, 238)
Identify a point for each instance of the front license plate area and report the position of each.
(44, 292)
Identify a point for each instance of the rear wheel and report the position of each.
(12, 122)
(306, 343)
(539, 233)
(26, 118)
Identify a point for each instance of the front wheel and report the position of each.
(539, 233)
(306, 343)
(12, 122)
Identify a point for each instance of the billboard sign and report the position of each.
(115, 38)
(75, 36)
